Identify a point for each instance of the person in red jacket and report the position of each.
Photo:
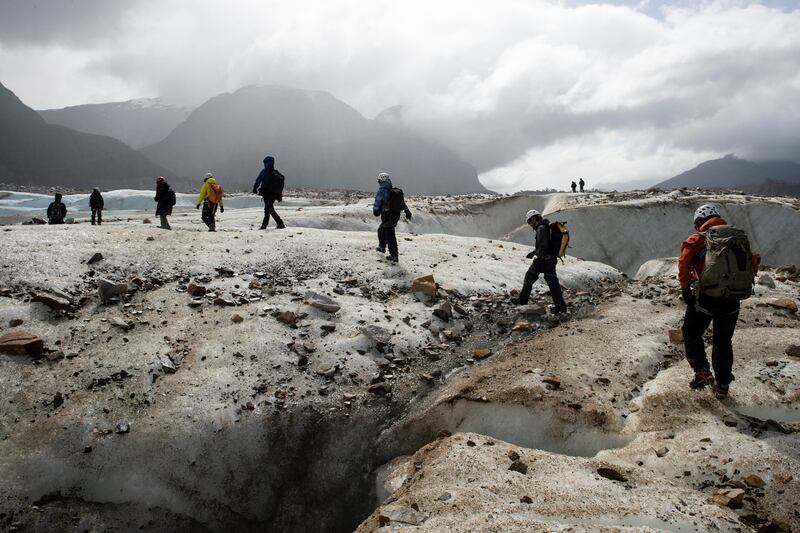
(702, 310)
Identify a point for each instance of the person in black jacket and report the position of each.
(269, 184)
(56, 211)
(389, 217)
(96, 205)
(574, 186)
(582, 183)
(165, 199)
(544, 262)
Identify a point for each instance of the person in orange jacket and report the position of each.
(702, 310)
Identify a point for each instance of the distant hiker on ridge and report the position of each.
(56, 211)
(389, 203)
(574, 186)
(165, 200)
(210, 197)
(716, 270)
(96, 205)
(269, 184)
(582, 183)
(545, 257)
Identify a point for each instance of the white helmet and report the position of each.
(383, 177)
(705, 211)
(530, 214)
(208, 175)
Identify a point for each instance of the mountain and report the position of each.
(633, 185)
(33, 152)
(730, 172)
(317, 140)
(137, 123)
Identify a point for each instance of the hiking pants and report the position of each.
(99, 214)
(164, 221)
(388, 237)
(695, 323)
(269, 210)
(548, 268)
(209, 214)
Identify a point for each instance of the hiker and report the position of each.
(544, 262)
(56, 211)
(716, 270)
(210, 197)
(574, 186)
(582, 183)
(96, 205)
(269, 184)
(389, 203)
(165, 200)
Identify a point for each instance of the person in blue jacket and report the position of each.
(269, 184)
(389, 216)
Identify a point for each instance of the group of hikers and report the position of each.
(716, 268)
(573, 185)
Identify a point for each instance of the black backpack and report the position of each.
(170, 198)
(276, 183)
(397, 201)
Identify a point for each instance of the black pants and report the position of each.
(99, 214)
(209, 214)
(387, 237)
(164, 221)
(695, 323)
(548, 268)
(269, 210)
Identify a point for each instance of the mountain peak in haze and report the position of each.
(33, 152)
(731, 172)
(318, 141)
(137, 123)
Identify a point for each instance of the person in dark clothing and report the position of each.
(269, 184)
(56, 211)
(574, 186)
(96, 204)
(389, 218)
(544, 262)
(165, 199)
(703, 310)
(582, 183)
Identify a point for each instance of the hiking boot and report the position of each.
(263, 227)
(164, 227)
(720, 391)
(701, 379)
(381, 249)
(556, 310)
(392, 258)
(281, 226)
(212, 229)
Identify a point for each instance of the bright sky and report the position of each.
(533, 93)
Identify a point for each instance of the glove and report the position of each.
(688, 296)
(376, 213)
(531, 255)
(408, 215)
(197, 206)
(221, 209)
(280, 199)
(255, 191)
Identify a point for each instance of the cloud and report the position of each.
(531, 92)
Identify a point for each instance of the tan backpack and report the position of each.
(728, 270)
(214, 193)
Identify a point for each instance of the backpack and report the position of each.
(170, 199)
(214, 193)
(276, 183)
(397, 201)
(559, 239)
(728, 270)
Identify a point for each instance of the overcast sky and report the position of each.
(532, 93)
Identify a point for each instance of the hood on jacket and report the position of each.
(269, 163)
(58, 197)
(386, 184)
(711, 222)
(211, 180)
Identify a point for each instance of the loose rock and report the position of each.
(21, 343)
(732, 498)
(108, 289)
(611, 473)
(320, 301)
